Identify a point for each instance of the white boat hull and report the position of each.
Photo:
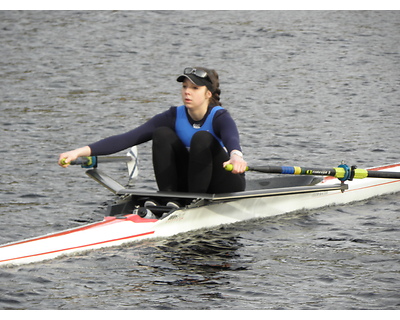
(114, 231)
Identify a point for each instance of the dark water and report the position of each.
(306, 88)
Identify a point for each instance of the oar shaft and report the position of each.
(87, 161)
(383, 174)
(103, 159)
(294, 170)
(343, 172)
(339, 172)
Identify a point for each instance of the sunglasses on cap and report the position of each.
(197, 72)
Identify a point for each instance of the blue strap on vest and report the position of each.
(185, 130)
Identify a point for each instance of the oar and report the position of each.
(342, 172)
(92, 161)
(131, 160)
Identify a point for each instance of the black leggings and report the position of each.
(198, 170)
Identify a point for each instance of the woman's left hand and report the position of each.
(238, 163)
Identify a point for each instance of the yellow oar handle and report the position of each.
(229, 167)
(85, 162)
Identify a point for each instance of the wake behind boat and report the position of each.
(136, 214)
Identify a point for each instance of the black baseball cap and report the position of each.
(198, 76)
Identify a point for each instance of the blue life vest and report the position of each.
(185, 130)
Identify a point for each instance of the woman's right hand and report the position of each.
(65, 158)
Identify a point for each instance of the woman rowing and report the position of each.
(192, 143)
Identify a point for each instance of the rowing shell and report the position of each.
(124, 224)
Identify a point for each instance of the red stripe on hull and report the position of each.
(78, 247)
(385, 167)
(373, 186)
(107, 220)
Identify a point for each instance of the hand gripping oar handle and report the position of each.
(131, 160)
(343, 172)
(92, 161)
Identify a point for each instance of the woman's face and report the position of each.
(194, 96)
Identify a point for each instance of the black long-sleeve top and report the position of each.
(223, 124)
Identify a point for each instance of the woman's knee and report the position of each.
(203, 138)
(164, 136)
